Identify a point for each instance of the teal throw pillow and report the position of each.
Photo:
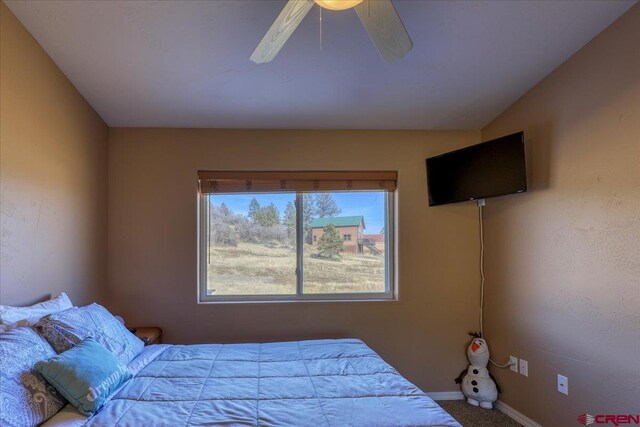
(86, 375)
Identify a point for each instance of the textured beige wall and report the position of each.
(563, 261)
(563, 270)
(152, 244)
(53, 178)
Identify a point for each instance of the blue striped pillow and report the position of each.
(65, 329)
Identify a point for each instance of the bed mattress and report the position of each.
(302, 383)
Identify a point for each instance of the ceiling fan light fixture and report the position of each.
(379, 17)
(337, 4)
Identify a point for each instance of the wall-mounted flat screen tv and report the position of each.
(490, 169)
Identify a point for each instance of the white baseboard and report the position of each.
(519, 417)
(446, 395)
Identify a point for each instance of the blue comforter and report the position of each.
(303, 383)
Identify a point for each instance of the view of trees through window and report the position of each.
(252, 243)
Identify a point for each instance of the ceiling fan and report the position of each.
(379, 17)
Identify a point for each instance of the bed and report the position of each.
(86, 355)
(301, 383)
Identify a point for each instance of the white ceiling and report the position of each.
(186, 64)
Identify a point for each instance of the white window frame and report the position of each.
(390, 293)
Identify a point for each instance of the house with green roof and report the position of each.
(351, 229)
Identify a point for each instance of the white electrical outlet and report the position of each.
(524, 368)
(563, 384)
(513, 362)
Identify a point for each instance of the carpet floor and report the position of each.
(473, 416)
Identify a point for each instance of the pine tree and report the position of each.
(254, 209)
(308, 214)
(326, 206)
(272, 215)
(290, 217)
(225, 211)
(268, 216)
(330, 243)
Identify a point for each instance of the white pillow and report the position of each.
(28, 316)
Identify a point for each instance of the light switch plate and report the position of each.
(563, 384)
(524, 368)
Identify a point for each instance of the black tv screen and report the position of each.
(490, 169)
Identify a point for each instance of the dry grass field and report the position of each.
(259, 269)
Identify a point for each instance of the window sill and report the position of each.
(281, 300)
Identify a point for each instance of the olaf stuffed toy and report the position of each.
(478, 385)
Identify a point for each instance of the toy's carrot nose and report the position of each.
(474, 347)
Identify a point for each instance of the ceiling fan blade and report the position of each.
(285, 24)
(383, 24)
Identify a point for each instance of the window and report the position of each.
(268, 236)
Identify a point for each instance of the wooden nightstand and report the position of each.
(149, 335)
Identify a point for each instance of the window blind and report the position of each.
(274, 182)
